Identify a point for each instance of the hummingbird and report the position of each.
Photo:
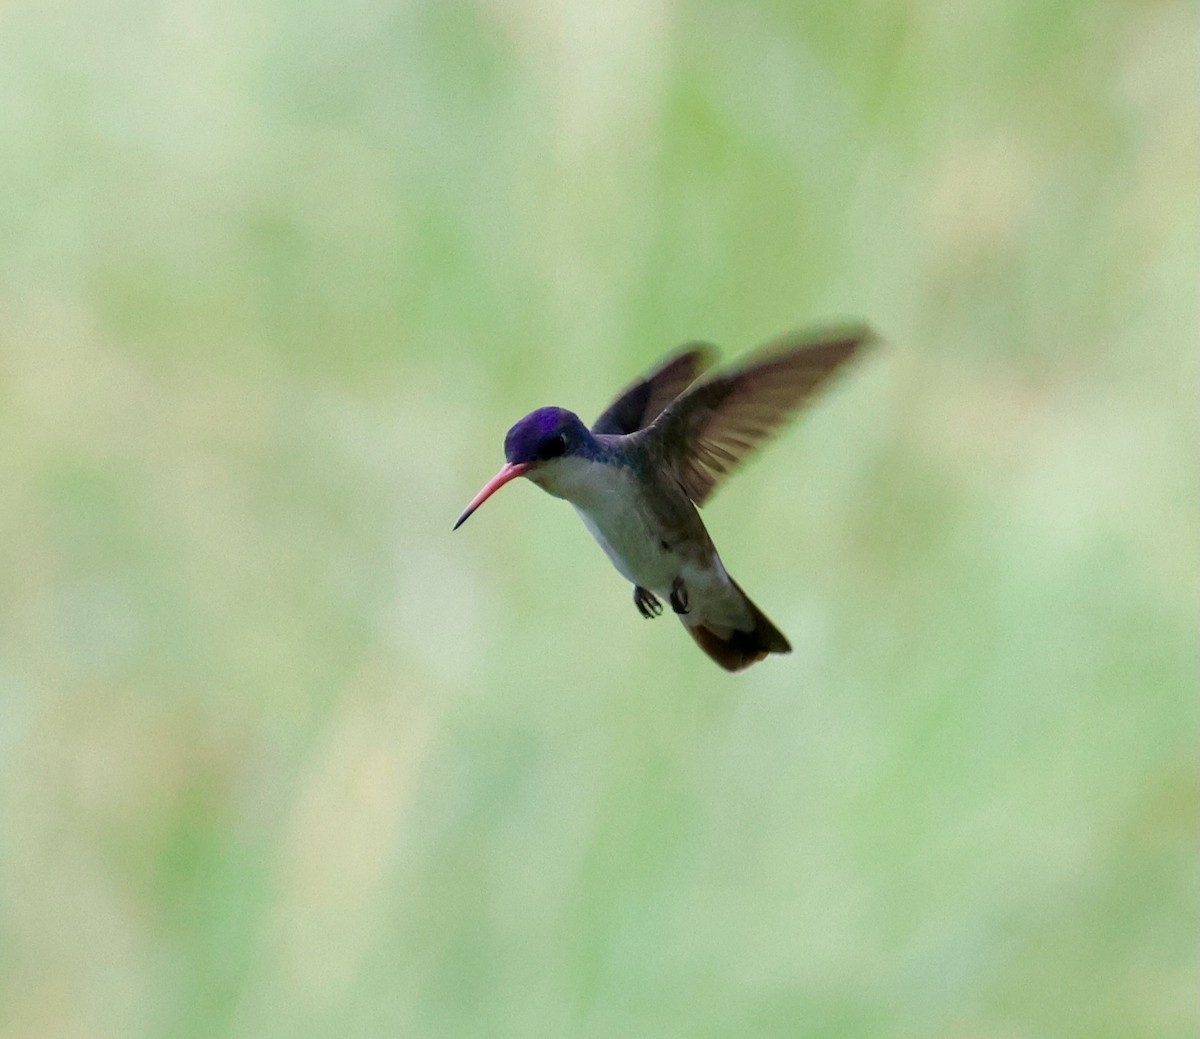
(659, 452)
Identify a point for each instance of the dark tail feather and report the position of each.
(741, 648)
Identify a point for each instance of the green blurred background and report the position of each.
(280, 756)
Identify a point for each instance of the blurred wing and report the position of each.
(715, 426)
(641, 402)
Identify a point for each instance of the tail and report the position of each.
(739, 649)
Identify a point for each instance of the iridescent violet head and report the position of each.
(544, 434)
(539, 437)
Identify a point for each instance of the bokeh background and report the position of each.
(281, 756)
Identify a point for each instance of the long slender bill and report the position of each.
(509, 472)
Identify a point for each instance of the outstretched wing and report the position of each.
(641, 402)
(713, 427)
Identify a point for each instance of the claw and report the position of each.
(646, 602)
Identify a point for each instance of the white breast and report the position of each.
(609, 503)
(611, 507)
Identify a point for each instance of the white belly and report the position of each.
(609, 508)
(632, 547)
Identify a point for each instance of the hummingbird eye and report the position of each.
(553, 447)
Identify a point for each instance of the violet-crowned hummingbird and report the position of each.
(660, 450)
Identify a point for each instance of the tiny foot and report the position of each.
(646, 602)
(679, 596)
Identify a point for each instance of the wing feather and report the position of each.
(705, 433)
(641, 402)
